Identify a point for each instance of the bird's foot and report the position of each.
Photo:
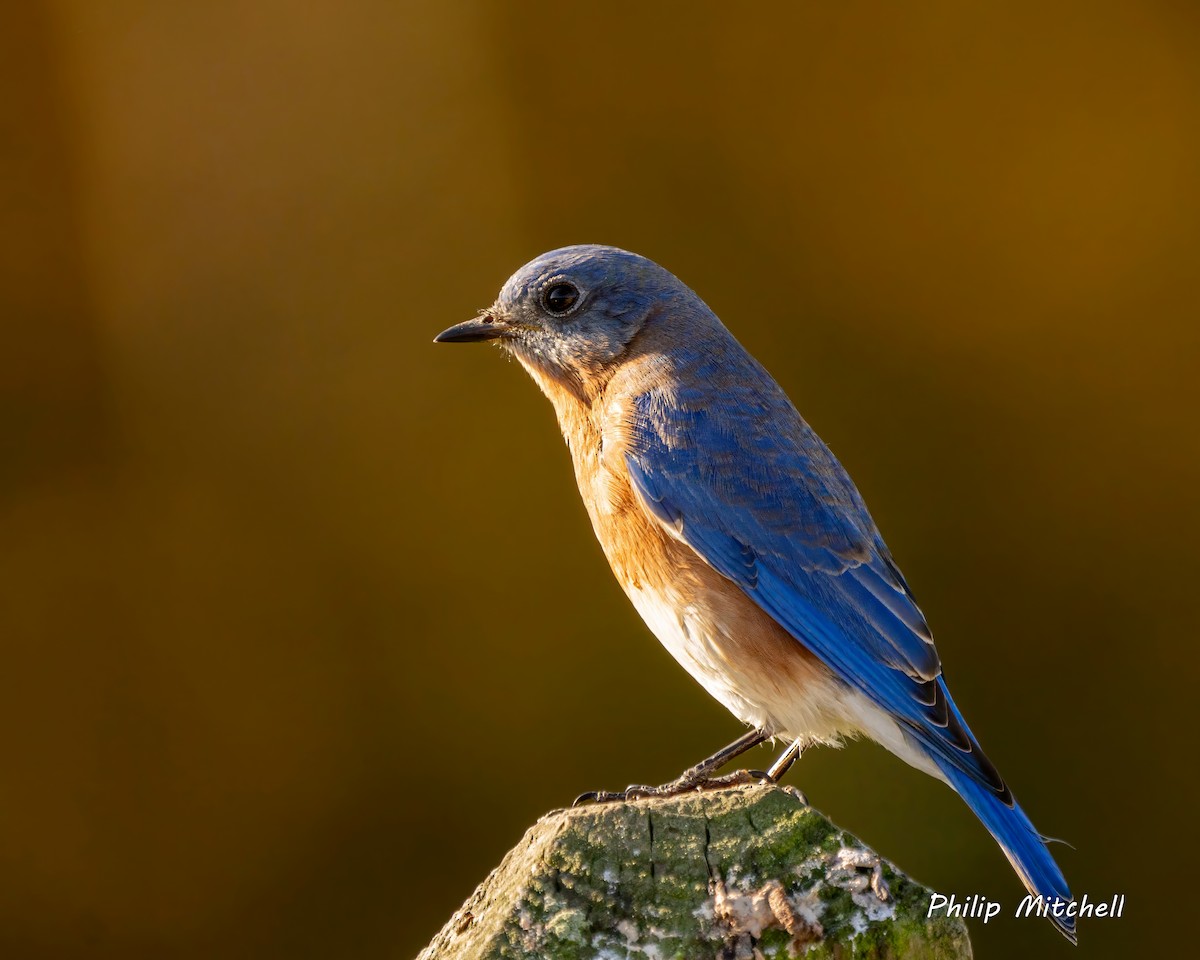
(692, 781)
(700, 777)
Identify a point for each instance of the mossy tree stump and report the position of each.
(740, 874)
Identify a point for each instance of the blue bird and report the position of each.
(737, 535)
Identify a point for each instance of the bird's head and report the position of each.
(570, 315)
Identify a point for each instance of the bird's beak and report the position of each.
(484, 327)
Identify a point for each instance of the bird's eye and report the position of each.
(559, 298)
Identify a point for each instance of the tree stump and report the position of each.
(738, 874)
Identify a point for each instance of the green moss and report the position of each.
(587, 883)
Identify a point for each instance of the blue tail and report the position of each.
(1021, 843)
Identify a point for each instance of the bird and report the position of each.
(738, 536)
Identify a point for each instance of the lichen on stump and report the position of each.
(741, 874)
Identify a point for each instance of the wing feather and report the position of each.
(775, 512)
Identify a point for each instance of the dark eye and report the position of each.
(559, 298)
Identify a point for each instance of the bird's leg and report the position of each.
(784, 764)
(786, 759)
(701, 771)
(698, 777)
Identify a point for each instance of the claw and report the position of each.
(596, 796)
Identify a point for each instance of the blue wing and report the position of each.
(750, 487)
(765, 503)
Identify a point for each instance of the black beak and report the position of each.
(484, 327)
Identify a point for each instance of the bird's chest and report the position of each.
(637, 549)
(598, 453)
(660, 575)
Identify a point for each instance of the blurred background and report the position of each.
(303, 622)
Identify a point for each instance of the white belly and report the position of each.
(721, 664)
(819, 708)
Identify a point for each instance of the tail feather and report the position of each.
(1021, 843)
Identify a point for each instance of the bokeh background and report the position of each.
(302, 620)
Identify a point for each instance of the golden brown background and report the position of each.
(302, 620)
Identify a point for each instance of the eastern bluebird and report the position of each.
(737, 534)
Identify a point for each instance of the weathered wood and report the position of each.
(741, 874)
